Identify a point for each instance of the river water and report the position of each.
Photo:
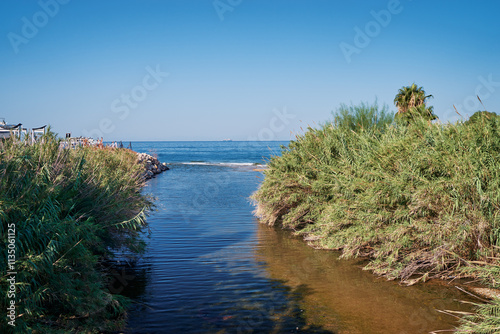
(211, 267)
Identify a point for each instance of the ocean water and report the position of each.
(211, 267)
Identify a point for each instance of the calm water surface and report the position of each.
(210, 267)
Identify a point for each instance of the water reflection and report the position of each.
(247, 300)
(343, 298)
(127, 276)
(275, 310)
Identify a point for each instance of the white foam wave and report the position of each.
(225, 164)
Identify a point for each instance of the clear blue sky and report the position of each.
(233, 65)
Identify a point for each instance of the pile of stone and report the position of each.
(152, 165)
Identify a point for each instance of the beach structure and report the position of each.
(37, 133)
(16, 130)
(74, 142)
(7, 130)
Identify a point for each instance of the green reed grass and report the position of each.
(420, 201)
(364, 116)
(485, 321)
(72, 209)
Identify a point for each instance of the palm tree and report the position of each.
(411, 102)
(409, 97)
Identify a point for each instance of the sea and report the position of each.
(210, 266)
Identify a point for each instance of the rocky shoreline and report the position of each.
(151, 165)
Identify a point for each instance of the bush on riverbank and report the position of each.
(71, 210)
(421, 201)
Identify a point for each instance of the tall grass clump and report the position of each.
(420, 201)
(72, 209)
(363, 116)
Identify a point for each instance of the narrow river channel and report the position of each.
(210, 267)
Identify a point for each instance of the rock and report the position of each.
(163, 167)
(151, 165)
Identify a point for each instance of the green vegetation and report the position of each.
(412, 105)
(364, 116)
(420, 200)
(485, 321)
(72, 209)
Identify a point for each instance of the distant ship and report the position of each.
(227, 139)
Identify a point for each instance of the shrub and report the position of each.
(419, 201)
(363, 117)
(72, 209)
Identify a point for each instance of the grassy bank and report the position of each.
(71, 209)
(420, 200)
